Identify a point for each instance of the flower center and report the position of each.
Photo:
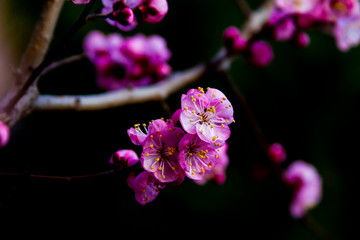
(167, 152)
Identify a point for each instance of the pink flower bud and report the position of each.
(157, 9)
(302, 39)
(124, 158)
(277, 153)
(4, 134)
(261, 53)
(233, 40)
(124, 16)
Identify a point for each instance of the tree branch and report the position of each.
(118, 98)
(22, 93)
(159, 91)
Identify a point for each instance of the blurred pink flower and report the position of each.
(285, 30)
(4, 134)
(125, 14)
(127, 62)
(307, 185)
(297, 6)
(347, 32)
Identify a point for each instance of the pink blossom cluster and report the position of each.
(192, 143)
(257, 52)
(126, 14)
(302, 178)
(127, 62)
(291, 17)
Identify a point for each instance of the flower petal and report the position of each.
(223, 107)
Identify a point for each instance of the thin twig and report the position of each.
(61, 62)
(66, 178)
(244, 7)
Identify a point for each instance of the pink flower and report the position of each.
(261, 53)
(297, 6)
(347, 32)
(145, 186)
(122, 15)
(81, 1)
(160, 151)
(123, 62)
(234, 41)
(4, 134)
(218, 173)
(277, 152)
(307, 185)
(207, 115)
(341, 8)
(285, 30)
(125, 14)
(196, 156)
(124, 158)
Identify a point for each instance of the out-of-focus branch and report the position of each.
(154, 92)
(244, 7)
(41, 38)
(21, 94)
(257, 19)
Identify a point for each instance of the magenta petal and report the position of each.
(146, 188)
(196, 156)
(137, 137)
(150, 159)
(223, 107)
(213, 133)
(157, 125)
(188, 121)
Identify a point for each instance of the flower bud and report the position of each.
(124, 158)
(233, 40)
(261, 53)
(277, 153)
